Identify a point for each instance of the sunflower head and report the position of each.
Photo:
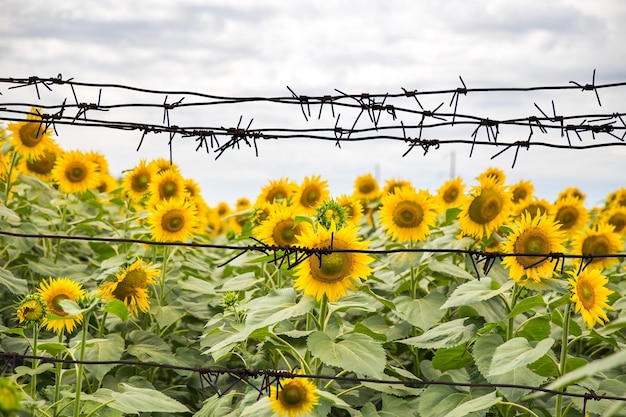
(496, 174)
(590, 294)
(572, 192)
(596, 241)
(31, 310)
(571, 214)
(353, 208)
(136, 182)
(485, 209)
(311, 193)
(294, 397)
(535, 207)
(451, 193)
(30, 137)
(522, 192)
(277, 191)
(53, 292)
(331, 212)
(408, 215)
(366, 188)
(130, 286)
(168, 184)
(391, 185)
(616, 217)
(280, 227)
(41, 166)
(173, 220)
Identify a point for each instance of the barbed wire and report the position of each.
(406, 106)
(292, 255)
(270, 377)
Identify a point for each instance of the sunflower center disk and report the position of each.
(618, 221)
(596, 245)
(408, 214)
(30, 135)
(43, 164)
(133, 280)
(451, 195)
(284, 233)
(519, 194)
(531, 241)
(277, 195)
(567, 216)
(173, 221)
(168, 189)
(486, 207)
(75, 172)
(366, 187)
(141, 182)
(292, 395)
(56, 305)
(586, 295)
(334, 267)
(311, 196)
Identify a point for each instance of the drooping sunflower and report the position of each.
(407, 215)
(571, 213)
(280, 227)
(494, 173)
(573, 192)
(311, 193)
(75, 173)
(334, 273)
(136, 182)
(131, 286)
(29, 138)
(535, 207)
(53, 292)
(295, 397)
(41, 166)
(353, 207)
(532, 235)
(31, 310)
(393, 184)
(366, 188)
(485, 209)
(616, 217)
(451, 193)
(166, 185)
(522, 192)
(590, 294)
(599, 239)
(173, 220)
(277, 191)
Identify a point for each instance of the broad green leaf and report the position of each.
(390, 305)
(241, 282)
(52, 348)
(527, 304)
(548, 367)
(361, 328)
(369, 410)
(535, 329)
(439, 400)
(148, 347)
(594, 368)
(452, 358)
(483, 351)
(197, 286)
(475, 291)
(401, 262)
(517, 352)
(12, 283)
(446, 335)
(358, 353)
(422, 313)
(135, 400)
(216, 406)
(476, 404)
(109, 349)
(117, 308)
(12, 218)
(167, 314)
(450, 270)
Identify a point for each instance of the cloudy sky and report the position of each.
(254, 48)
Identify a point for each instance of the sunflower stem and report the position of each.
(166, 255)
(57, 379)
(511, 323)
(79, 372)
(8, 184)
(58, 246)
(563, 357)
(33, 381)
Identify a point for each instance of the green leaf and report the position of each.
(452, 358)
(167, 314)
(422, 313)
(476, 404)
(135, 400)
(197, 286)
(593, 369)
(402, 262)
(517, 352)
(12, 283)
(109, 349)
(527, 304)
(240, 282)
(439, 400)
(451, 270)
(12, 218)
(535, 329)
(117, 308)
(449, 334)
(475, 291)
(148, 347)
(361, 328)
(52, 348)
(216, 406)
(358, 353)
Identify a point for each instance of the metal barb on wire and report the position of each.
(590, 87)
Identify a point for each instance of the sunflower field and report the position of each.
(132, 296)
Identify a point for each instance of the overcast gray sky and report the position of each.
(258, 48)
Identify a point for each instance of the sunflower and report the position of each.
(535, 207)
(31, 310)
(131, 287)
(616, 217)
(262, 212)
(192, 188)
(331, 212)
(571, 192)
(294, 397)
(215, 224)
(600, 239)
(30, 138)
(136, 182)
(494, 173)
(532, 235)
(41, 166)
(222, 209)
(310, 194)
(160, 165)
(366, 188)
(53, 292)
(166, 185)
(571, 213)
(590, 294)
(173, 220)
(353, 207)
(334, 273)
(242, 203)
(280, 228)
(100, 160)
(108, 183)
(75, 173)
(277, 191)
(617, 198)
(394, 184)
(485, 209)
(522, 192)
(243, 213)
(407, 215)
(451, 193)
